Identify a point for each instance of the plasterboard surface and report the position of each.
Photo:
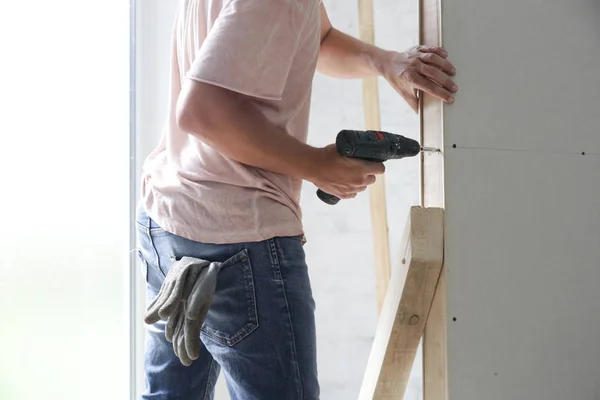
(523, 265)
(528, 73)
(522, 202)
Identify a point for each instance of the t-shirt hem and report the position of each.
(207, 238)
(233, 89)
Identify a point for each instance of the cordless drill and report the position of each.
(374, 146)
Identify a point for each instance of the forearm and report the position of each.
(232, 125)
(342, 56)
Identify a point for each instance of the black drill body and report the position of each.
(374, 146)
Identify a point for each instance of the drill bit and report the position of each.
(431, 149)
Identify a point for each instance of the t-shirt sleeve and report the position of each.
(250, 47)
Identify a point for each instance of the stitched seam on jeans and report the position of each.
(141, 225)
(250, 291)
(230, 340)
(208, 379)
(156, 255)
(274, 259)
(291, 327)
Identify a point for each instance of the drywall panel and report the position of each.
(523, 267)
(529, 73)
(522, 200)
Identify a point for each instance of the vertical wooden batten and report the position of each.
(381, 245)
(435, 374)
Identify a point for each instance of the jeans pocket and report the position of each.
(143, 265)
(147, 255)
(232, 315)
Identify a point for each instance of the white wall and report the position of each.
(522, 201)
(339, 248)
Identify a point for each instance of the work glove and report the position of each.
(184, 299)
(175, 288)
(191, 315)
(184, 333)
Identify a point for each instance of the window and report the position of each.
(64, 231)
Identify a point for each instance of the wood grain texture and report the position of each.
(435, 374)
(406, 307)
(377, 196)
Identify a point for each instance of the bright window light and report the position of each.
(64, 176)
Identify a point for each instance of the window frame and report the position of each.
(150, 34)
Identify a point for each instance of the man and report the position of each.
(223, 185)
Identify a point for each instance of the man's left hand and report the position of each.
(423, 68)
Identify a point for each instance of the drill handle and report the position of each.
(374, 146)
(347, 142)
(327, 198)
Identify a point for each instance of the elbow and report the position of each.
(204, 110)
(187, 117)
(186, 120)
(325, 33)
(195, 112)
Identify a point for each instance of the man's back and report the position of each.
(188, 187)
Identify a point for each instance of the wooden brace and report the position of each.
(406, 307)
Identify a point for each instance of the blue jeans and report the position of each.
(260, 329)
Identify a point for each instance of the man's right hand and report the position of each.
(341, 176)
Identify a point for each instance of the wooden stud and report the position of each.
(435, 374)
(379, 224)
(406, 307)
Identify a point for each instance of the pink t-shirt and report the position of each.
(266, 49)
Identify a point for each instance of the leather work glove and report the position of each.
(175, 288)
(183, 327)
